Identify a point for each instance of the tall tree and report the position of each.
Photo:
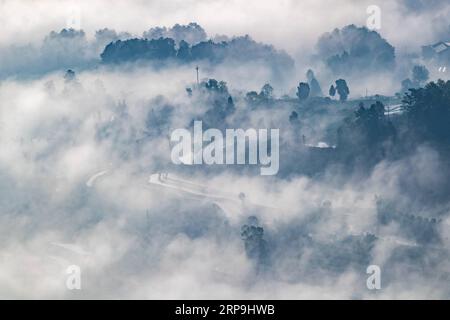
(266, 92)
(316, 90)
(332, 91)
(428, 110)
(303, 91)
(420, 75)
(69, 76)
(342, 89)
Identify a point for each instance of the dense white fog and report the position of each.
(77, 154)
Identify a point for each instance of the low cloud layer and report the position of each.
(137, 240)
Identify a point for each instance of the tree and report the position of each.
(158, 119)
(303, 91)
(252, 97)
(138, 49)
(262, 98)
(420, 74)
(69, 76)
(191, 33)
(184, 51)
(373, 124)
(332, 91)
(293, 118)
(352, 49)
(367, 134)
(256, 247)
(342, 89)
(266, 92)
(214, 86)
(428, 109)
(230, 106)
(316, 90)
(406, 85)
(215, 94)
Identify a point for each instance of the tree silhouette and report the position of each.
(342, 89)
(184, 51)
(406, 85)
(366, 134)
(293, 118)
(69, 76)
(303, 91)
(266, 92)
(252, 97)
(428, 110)
(352, 49)
(332, 91)
(316, 90)
(420, 74)
(255, 246)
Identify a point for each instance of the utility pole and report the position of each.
(196, 68)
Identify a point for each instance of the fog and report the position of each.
(77, 155)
